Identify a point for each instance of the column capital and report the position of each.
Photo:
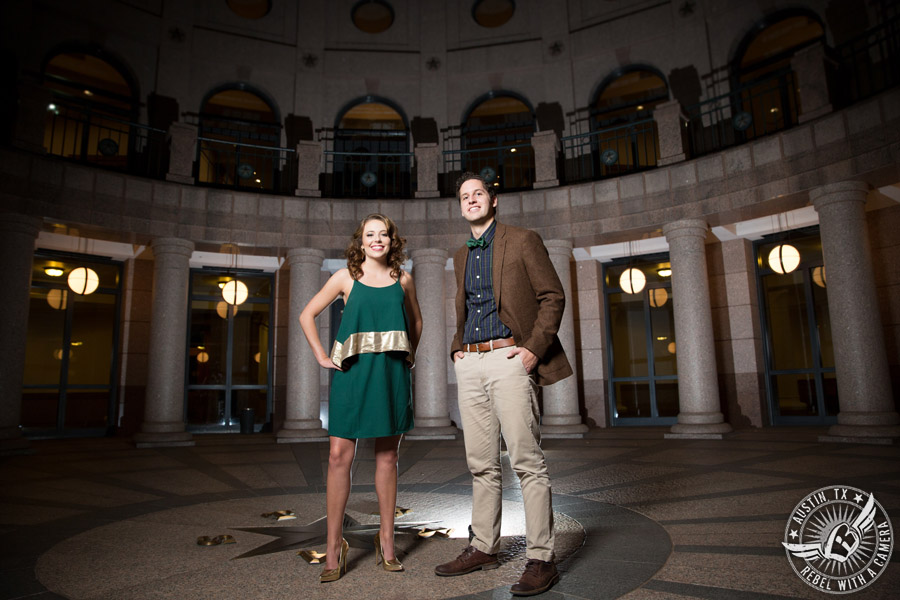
(172, 246)
(304, 255)
(842, 191)
(559, 247)
(685, 227)
(429, 256)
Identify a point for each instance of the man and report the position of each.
(509, 304)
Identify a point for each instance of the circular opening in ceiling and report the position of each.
(372, 16)
(250, 9)
(493, 13)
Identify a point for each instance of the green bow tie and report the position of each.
(472, 242)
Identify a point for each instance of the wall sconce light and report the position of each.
(632, 281)
(53, 271)
(784, 258)
(235, 292)
(83, 281)
(664, 272)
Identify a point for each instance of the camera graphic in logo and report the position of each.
(839, 539)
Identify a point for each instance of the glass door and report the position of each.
(229, 351)
(800, 375)
(643, 386)
(70, 353)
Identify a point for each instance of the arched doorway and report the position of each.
(239, 140)
(622, 117)
(495, 141)
(94, 108)
(370, 155)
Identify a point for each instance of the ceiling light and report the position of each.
(664, 272)
(53, 271)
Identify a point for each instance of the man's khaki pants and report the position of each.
(497, 395)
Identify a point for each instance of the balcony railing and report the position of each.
(507, 167)
(868, 64)
(234, 165)
(104, 141)
(610, 152)
(753, 110)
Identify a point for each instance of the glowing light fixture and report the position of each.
(222, 309)
(88, 93)
(640, 107)
(632, 281)
(784, 258)
(51, 107)
(664, 272)
(256, 357)
(818, 276)
(83, 281)
(202, 357)
(57, 299)
(671, 347)
(235, 292)
(53, 271)
(658, 297)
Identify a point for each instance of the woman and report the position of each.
(370, 394)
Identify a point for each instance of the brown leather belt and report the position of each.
(489, 345)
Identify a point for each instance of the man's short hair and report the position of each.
(467, 175)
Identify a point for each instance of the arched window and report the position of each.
(766, 98)
(370, 155)
(496, 140)
(93, 109)
(622, 116)
(239, 140)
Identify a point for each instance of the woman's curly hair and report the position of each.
(355, 254)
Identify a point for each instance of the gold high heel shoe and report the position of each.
(335, 574)
(391, 564)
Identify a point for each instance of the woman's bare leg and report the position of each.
(337, 491)
(386, 455)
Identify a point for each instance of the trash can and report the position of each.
(248, 417)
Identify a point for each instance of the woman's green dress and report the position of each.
(371, 396)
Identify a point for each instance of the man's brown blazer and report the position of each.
(529, 298)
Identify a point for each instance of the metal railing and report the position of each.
(366, 164)
(507, 167)
(753, 110)
(867, 64)
(104, 141)
(238, 165)
(610, 152)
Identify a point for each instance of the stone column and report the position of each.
(562, 419)
(31, 117)
(809, 67)
(432, 411)
(17, 236)
(546, 151)
(670, 132)
(867, 411)
(182, 139)
(164, 407)
(309, 165)
(301, 418)
(428, 157)
(700, 413)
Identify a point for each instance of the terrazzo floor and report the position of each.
(637, 516)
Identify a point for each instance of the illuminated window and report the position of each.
(496, 141)
(370, 156)
(239, 142)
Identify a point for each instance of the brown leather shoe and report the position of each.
(539, 576)
(470, 560)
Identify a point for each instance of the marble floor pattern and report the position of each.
(637, 516)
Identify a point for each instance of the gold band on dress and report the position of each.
(372, 341)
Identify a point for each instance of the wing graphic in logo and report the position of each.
(842, 541)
